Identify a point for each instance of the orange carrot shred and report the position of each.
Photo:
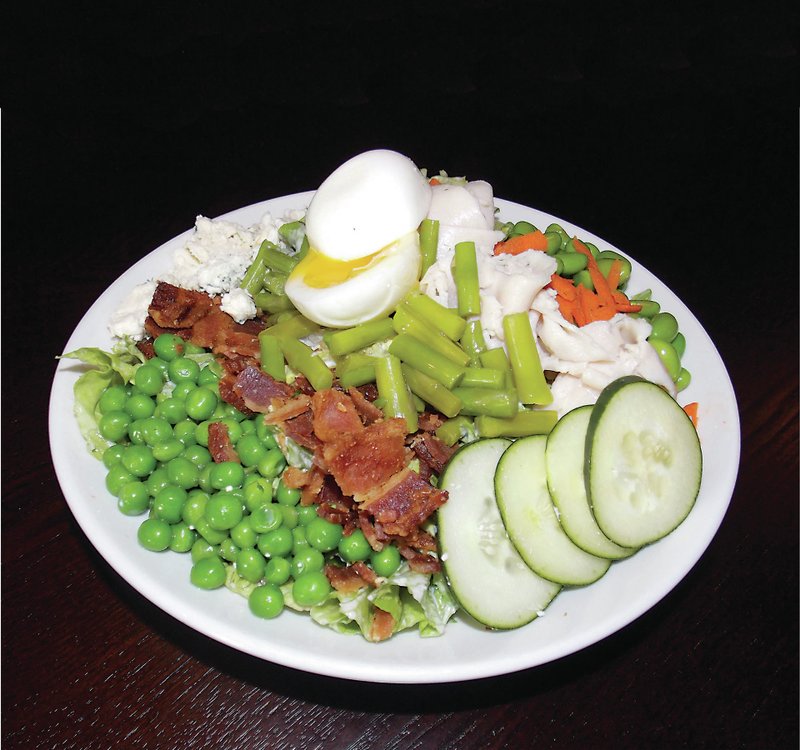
(434, 181)
(614, 274)
(691, 410)
(515, 245)
(564, 287)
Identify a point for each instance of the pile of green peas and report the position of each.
(228, 513)
(665, 338)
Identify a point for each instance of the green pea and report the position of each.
(168, 503)
(139, 460)
(299, 540)
(133, 498)
(287, 495)
(173, 410)
(228, 549)
(183, 537)
(154, 534)
(167, 450)
(117, 477)
(243, 534)
(248, 428)
(209, 533)
(257, 492)
(148, 379)
(194, 508)
(184, 431)
(679, 342)
(201, 548)
(201, 433)
(276, 543)
(665, 326)
(208, 573)
(250, 449)
(669, 357)
(208, 376)
(224, 510)
(113, 425)
(135, 433)
(161, 365)
(323, 535)
(204, 482)
(182, 472)
(156, 430)
(354, 547)
(278, 571)
(291, 518)
(168, 346)
(266, 434)
(200, 403)
(266, 601)
(198, 455)
(306, 561)
(183, 368)
(272, 464)
(251, 565)
(235, 431)
(386, 561)
(140, 406)
(310, 588)
(182, 390)
(113, 398)
(683, 379)
(190, 348)
(226, 475)
(306, 514)
(266, 518)
(113, 455)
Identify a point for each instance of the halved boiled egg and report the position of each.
(364, 251)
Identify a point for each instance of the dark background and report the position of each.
(668, 129)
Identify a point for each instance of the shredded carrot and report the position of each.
(614, 274)
(434, 181)
(564, 287)
(515, 245)
(691, 410)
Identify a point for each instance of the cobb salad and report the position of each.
(311, 407)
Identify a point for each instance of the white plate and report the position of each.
(576, 618)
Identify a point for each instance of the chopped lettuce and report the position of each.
(106, 369)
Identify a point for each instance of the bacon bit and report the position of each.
(312, 490)
(257, 389)
(295, 478)
(429, 421)
(420, 562)
(301, 430)
(403, 503)
(367, 411)
(228, 393)
(381, 626)
(335, 415)
(372, 532)
(344, 579)
(145, 346)
(219, 443)
(366, 459)
(432, 451)
(366, 573)
(174, 307)
(290, 409)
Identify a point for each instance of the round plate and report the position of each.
(577, 618)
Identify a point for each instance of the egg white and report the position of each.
(370, 288)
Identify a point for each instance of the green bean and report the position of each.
(447, 320)
(253, 279)
(523, 423)
(465, 275)
(483, 377)
(294, 233)
(496, 359)
(408, 322)
(272, 302)
(571, 263)
(491, 401)
(432, 392)
(275, 282)
(451, 431)
(272, 361)
(356, 369)
(524, 358)
(421, 357)
(301, 359)
(393, 391)
(472, 341)
(428, 242)
(276, 259)
(665, 326)
(349, 340)
(293, 325)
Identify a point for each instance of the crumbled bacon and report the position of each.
(381, 626)
(290, 409)
(432, 451)
(220, 445)
(174, 307)
(368, 412)
(258, 389)
(335, 416)
(344, 579)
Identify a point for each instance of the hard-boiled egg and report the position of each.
(364, 252)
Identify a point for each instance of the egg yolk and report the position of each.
(320, 271)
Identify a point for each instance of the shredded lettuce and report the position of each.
(106, 369)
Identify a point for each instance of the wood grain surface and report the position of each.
(672, 134)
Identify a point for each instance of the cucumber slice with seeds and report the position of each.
(643, 462)
(564, 458)
(486, 574)
(531, 521)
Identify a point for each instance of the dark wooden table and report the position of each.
(673, 137)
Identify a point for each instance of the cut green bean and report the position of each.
(253, 280)
(349, 340)
(276, 259)
(274, 282)
(445, 319)
(408, 322)
(472, 341)
(490, 401)
(524, 358)
(294, 233)
(428, 242)
(428, 361)
(272, 302)
(522, 424)
(496, 359)
(302, 359)
(356, 369)
(292, 325)
(393, 391)
(451, 431)
(465, 275)
(272, 361)
(432, 392)
(483, 377)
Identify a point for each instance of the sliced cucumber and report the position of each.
(484, 570)
(643, 462)
(530, 519)
(564, 458)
